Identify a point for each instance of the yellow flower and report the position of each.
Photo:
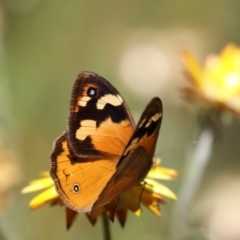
(9, 168)
(149, 194)
(217, 84)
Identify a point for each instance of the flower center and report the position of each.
(232, 80)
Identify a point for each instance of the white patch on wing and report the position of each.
(119, 98)
(141, 123)
(132, 146)
(135, 140)
(154, 118)
(109, 99)
(83, 101)
(87, 127)
(148, 123)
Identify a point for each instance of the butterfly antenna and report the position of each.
(140, 196)
(178, 147)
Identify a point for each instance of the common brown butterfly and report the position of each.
(102, 153)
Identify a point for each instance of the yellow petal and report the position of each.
(38, 184)
(129, 201)
(162, 173)
(160, 189)
(192, 66)
(152, 201)
(149, 198)
(145, 190)
(228, 53)
(138, 212)
(155, 209)
(43, 198)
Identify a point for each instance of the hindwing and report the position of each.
(79, 182)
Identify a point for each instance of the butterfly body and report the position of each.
(102, 153)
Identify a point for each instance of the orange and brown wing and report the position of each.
(79, 182)
(99, 128)
(99, 123)
(137, 158)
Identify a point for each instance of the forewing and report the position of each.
(99, 118)
(147, 130)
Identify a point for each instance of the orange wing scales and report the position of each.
(101, 155)
(87, 174)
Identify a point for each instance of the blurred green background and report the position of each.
(136, 45)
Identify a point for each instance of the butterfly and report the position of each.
(103, 153)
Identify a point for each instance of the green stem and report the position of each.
(106, 227)
(198, 162)
(2, 237)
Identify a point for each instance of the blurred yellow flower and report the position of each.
(149, 194)
(217, 84)
(9, 168)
